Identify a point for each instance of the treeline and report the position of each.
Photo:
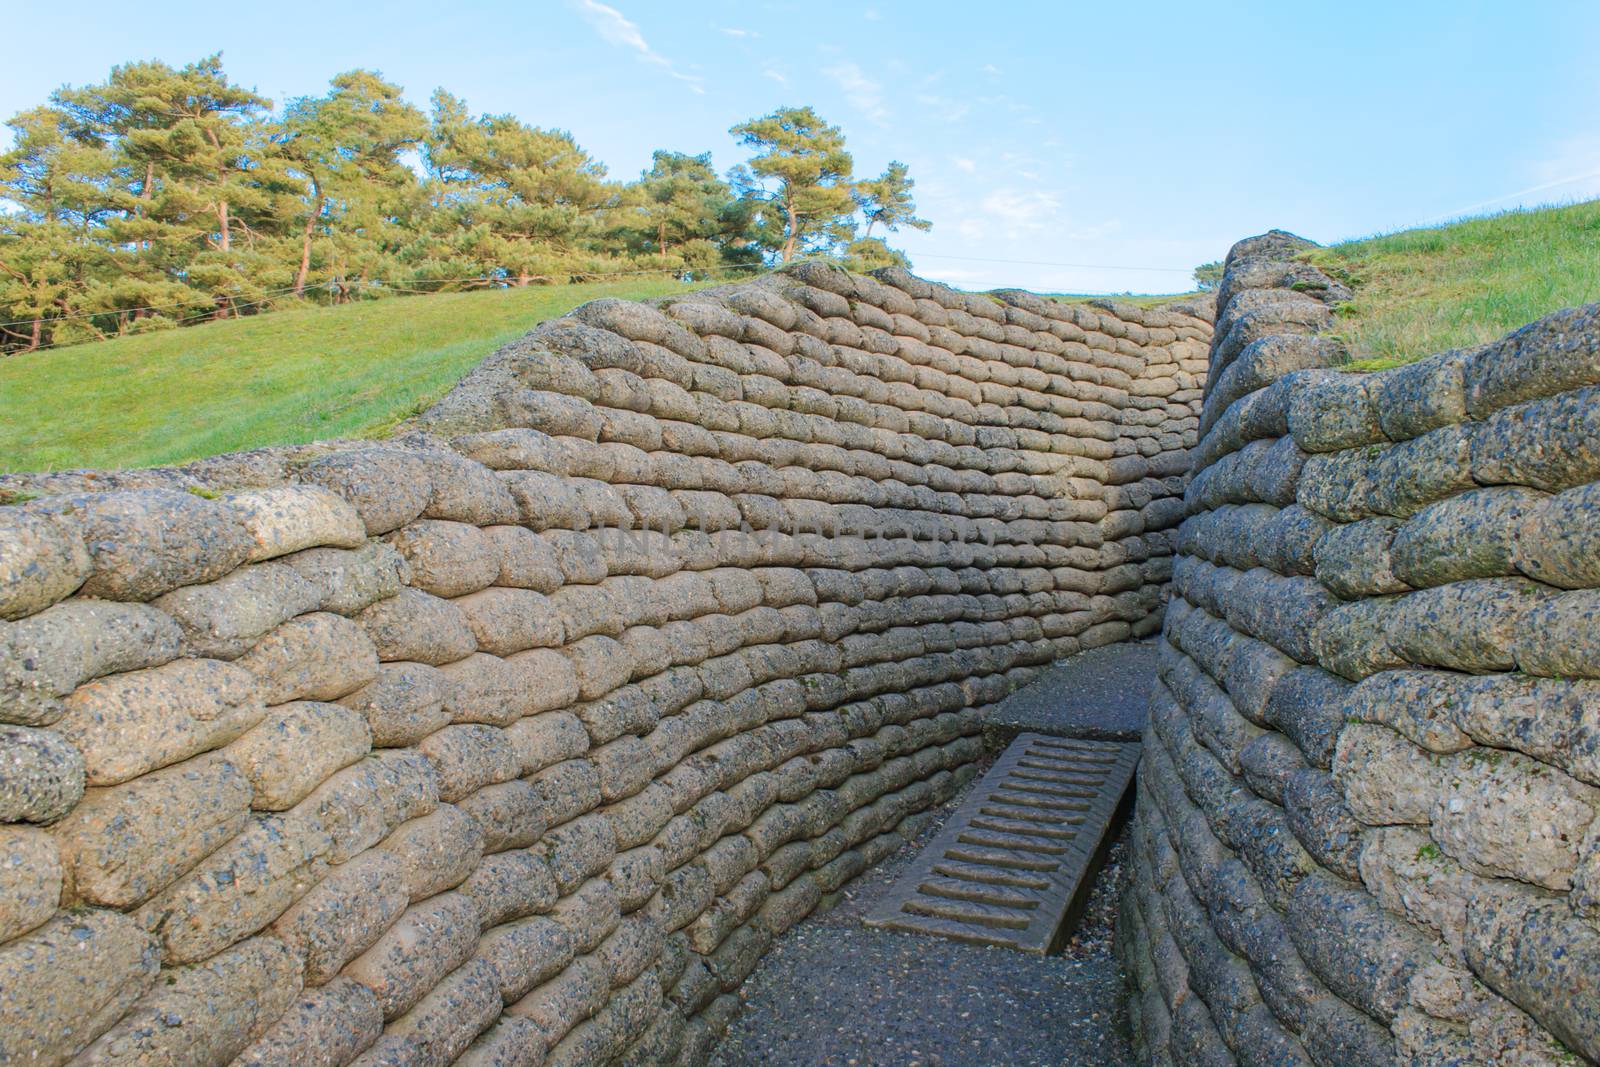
(166, 196)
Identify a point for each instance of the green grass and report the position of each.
(283, 378)
(356, 371)
(1418, 292)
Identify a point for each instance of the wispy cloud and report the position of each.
(776, 76)
(1573, 168)
(943, 108)
(872, 14)
(1009, 212)
(964, 164)
(617, 29)
(863, 93)
(1024, 209)
(1094, 231)
(1570, 172)
(734, 31)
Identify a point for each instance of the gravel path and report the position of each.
(832, 992)
(1102, 693)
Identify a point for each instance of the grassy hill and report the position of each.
(1418, 292)
(293, 376)
(289, 377)
(357, 370)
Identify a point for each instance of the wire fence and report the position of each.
(369, 287)
(502, 280)
(235, 302)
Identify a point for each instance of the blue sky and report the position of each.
(1053, 144)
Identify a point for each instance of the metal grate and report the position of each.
(1007, 866)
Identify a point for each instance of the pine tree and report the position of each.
(63, 191)
(1208, 276)
(870, 253)
(682, 215)
(886, 201)
(520, 202)
(799, 185)
(344, 149)
(165, 195)
(188, 143)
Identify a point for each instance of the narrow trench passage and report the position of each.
(834, 993)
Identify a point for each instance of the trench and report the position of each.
(835, 992)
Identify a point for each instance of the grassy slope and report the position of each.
(331, 372)
(288, 377)
(1423, 291)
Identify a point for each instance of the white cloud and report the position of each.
(734, 31)
(970, 166)
(775, 76)
(1572, 171)
(872, 14)
(863, 93)
(943, 108)
(1016, 214)
(617, 29)
(1094, 231)
(1029, 209)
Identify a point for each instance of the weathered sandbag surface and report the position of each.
(519, 736)
(1366, 829)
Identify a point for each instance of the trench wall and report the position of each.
(519, 737)
(1366, 825)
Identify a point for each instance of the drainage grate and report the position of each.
(1007, 865)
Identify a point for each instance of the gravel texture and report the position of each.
(832, 992)
(1102, 694)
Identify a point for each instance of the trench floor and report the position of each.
(1103, 693)
(834, 993)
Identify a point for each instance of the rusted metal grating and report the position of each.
(1007, 866)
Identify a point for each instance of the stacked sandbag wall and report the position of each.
(1366, 824)
(518, 737)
